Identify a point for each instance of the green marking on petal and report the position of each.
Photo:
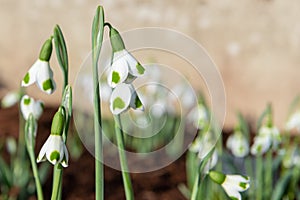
(243, 185)
(138, 103)
(47, 85)
(115, 77)
(118, 103)
(27, 101)
(26, 78)
(140, 68)
(234, 198)
(54, 156)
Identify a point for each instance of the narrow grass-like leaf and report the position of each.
(282, 185)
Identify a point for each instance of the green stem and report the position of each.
(123, 161)
(35, 173)
(259, 177)
(97, 38)
(196, 186)
(268, 175)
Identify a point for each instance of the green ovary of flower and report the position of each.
(118, 103)
(55, 155)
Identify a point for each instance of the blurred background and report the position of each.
(254, 43)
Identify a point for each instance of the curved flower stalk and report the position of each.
(124, 97)
(40, 72)
(54, 149)
(267, 137)
(238, 144)
(30, 106)
(232, 184)
(125, 68)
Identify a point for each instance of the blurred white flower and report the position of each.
(267, 137)
(10, 99)
(291, 157)
(293, 122)
(232, 184)
(199, 116)
(54, 150)
(123, 97)
(238, 144)
(30, 106)
(202, 146)
(184, 94)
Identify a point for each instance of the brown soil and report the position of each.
(78, 181)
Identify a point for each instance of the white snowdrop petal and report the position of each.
(42, 154)
(45, 78)
(120, 98)
(65, 161)
(26, 106)
(54, 152)
(135, 68)
(31, 75)
(118, 73)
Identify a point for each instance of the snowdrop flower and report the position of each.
(125, 68)
(54, 149)
(30, 106)
(40, 72)
(294, 122)
(199, 116)
(10, 99)
(267, 137)
(232, 184)
(123, 97)
(202, 146)
(291, 157)
(238, 144)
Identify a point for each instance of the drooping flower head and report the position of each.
(267, 137)
(40, 72)
(124, 68)
(238, 144)
(293, 122)
(123, 97)
(30, 106)
(10, 99)
(54, 149)
(232, 184)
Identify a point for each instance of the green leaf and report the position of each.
(61, 50)
(282, 185)
(97, 32)
(6, 174)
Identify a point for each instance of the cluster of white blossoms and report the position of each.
(123, 71)
(268, 136)
(40, 73)
(232, 184)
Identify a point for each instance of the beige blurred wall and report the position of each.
(255, 44)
